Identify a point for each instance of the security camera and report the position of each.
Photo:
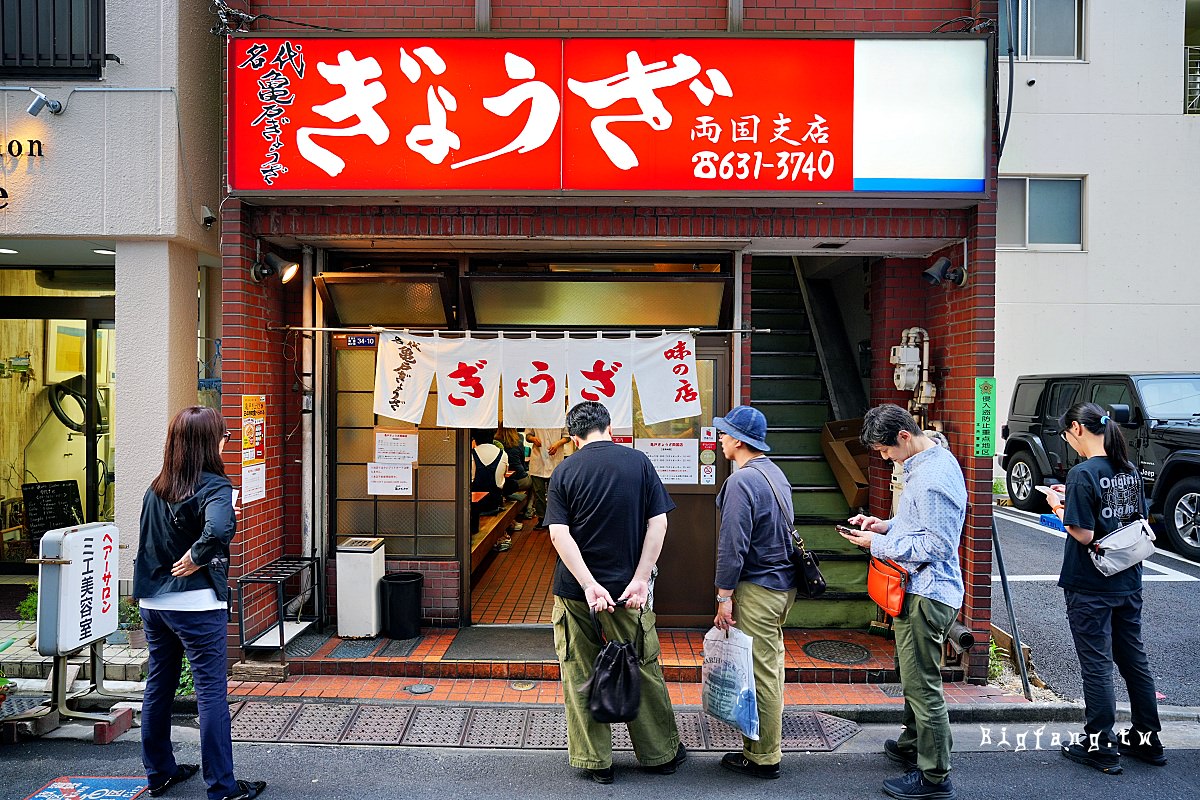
(40, 101)
(207, 216)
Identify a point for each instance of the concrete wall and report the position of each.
(1131, 299)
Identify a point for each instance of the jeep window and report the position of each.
(1026, 400)
(1171, 398)
(1062, 397)
(1106, 394)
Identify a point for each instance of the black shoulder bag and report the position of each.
(615, 688)
(809, 581)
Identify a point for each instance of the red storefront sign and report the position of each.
(365, 115)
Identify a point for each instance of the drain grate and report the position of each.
(436, 727)
(263, 722)
(495, 727)
(319, 723)
(306, 644)
(400, 648)
(355, 648)
(19, 704)
(546, 729)
(837, 652)
(491, 727)
(378, 725)
(891, 689)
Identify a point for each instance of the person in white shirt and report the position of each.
(546, 453)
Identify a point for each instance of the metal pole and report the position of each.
(579, 332)
(1012, 617)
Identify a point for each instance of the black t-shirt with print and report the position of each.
(1101, 500)
(606, 493)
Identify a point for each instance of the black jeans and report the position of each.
(1108, 630)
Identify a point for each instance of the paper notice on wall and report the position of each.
(676, 460)
(623, 436)
(254, 483)
(395, 447)
(390, 478)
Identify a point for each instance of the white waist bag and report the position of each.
(1125, 547)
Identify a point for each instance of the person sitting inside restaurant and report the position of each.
(488, 465)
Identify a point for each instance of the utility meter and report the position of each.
(907, 361)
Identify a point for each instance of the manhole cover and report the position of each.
(837, 652)
(419, 688)
(522, 686)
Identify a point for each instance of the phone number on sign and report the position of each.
(741, 166)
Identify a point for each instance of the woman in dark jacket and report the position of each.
(180, 576)
(1103, 493)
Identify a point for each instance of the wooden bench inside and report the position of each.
(491, 530)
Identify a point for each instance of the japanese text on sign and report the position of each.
(985, 417)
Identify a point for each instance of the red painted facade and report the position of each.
(960, 321)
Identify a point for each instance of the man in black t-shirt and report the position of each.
(607, 512)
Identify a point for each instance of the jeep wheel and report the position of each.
(1023, 476)
(1181, 513)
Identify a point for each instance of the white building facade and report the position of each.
(1099, 189)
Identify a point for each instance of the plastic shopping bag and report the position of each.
(728, 688)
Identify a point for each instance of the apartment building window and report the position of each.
(1050, 30)
(1039, 213)
(51, 38)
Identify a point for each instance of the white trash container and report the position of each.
(360, 567)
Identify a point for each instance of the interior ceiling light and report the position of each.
(102, 251)
(7, 251)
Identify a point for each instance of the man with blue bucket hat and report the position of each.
(755, 573)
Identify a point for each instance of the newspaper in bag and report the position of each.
(728, 688)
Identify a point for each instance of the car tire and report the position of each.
(1022, 476)
(1181, 517)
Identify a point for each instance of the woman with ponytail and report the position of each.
(1103, 493)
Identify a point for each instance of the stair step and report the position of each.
(813, 471)
(791, 388)
(857, 611)
(802, 443)
(782, 340)
(782, 281)
(827, 501)
(784, 363)
(775, 299)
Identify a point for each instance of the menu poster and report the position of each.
(254, 447)
(393, 479)
(676, 460)
(395, 447)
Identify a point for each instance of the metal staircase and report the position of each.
(786, 384)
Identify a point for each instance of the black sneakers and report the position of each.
(247, 790)
(182, 773)
(1142, 745)
(891, 749)
(1104, 757)
(914, 786)
(669, 768)
(737, 762)
(603, 776)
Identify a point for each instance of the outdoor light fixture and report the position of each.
(943, 271)
(272, 264)
(40, 101)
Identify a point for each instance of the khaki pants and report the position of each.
(759, 613)
(589, 743)
(539, 497)
(921, 631)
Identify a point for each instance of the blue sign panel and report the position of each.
(89, 787)
(363, 340)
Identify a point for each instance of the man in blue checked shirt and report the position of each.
(923, 538)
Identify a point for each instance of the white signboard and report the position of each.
(389, 478)
(676, 460)
(77, 599)
(254, 483)
(395, 447)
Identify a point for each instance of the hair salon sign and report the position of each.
(545, 116)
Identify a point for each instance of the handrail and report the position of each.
(1191, 79)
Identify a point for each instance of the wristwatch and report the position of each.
(723, 599)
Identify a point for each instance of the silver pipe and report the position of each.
(581, 332)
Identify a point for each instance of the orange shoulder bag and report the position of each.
(887, 583)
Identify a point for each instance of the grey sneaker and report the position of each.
(891, 749)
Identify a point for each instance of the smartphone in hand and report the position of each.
(845, 531)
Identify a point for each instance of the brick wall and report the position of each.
(440, 590)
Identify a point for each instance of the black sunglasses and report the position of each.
(227, 435)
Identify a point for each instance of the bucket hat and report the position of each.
(745, 424)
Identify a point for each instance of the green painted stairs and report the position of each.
(786, 384)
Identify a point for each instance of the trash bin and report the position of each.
(401, 604)
(360, 567)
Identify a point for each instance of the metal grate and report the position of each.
(319, 723)
(52, 38)
(19, 704)
(837, 652)
(436, 727)
(355, 648)
(491, 727)
(546, 730)
(495, 727)
(400, 648)
(378, 725)
(891, 689)
(263, 722)
(306, 644)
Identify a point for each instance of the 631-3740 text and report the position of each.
(741, 166)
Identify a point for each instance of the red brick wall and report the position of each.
(747, 322)
(439, 592)
(368, 15)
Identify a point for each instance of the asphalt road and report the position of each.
(1170, 616)
(853, 773)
